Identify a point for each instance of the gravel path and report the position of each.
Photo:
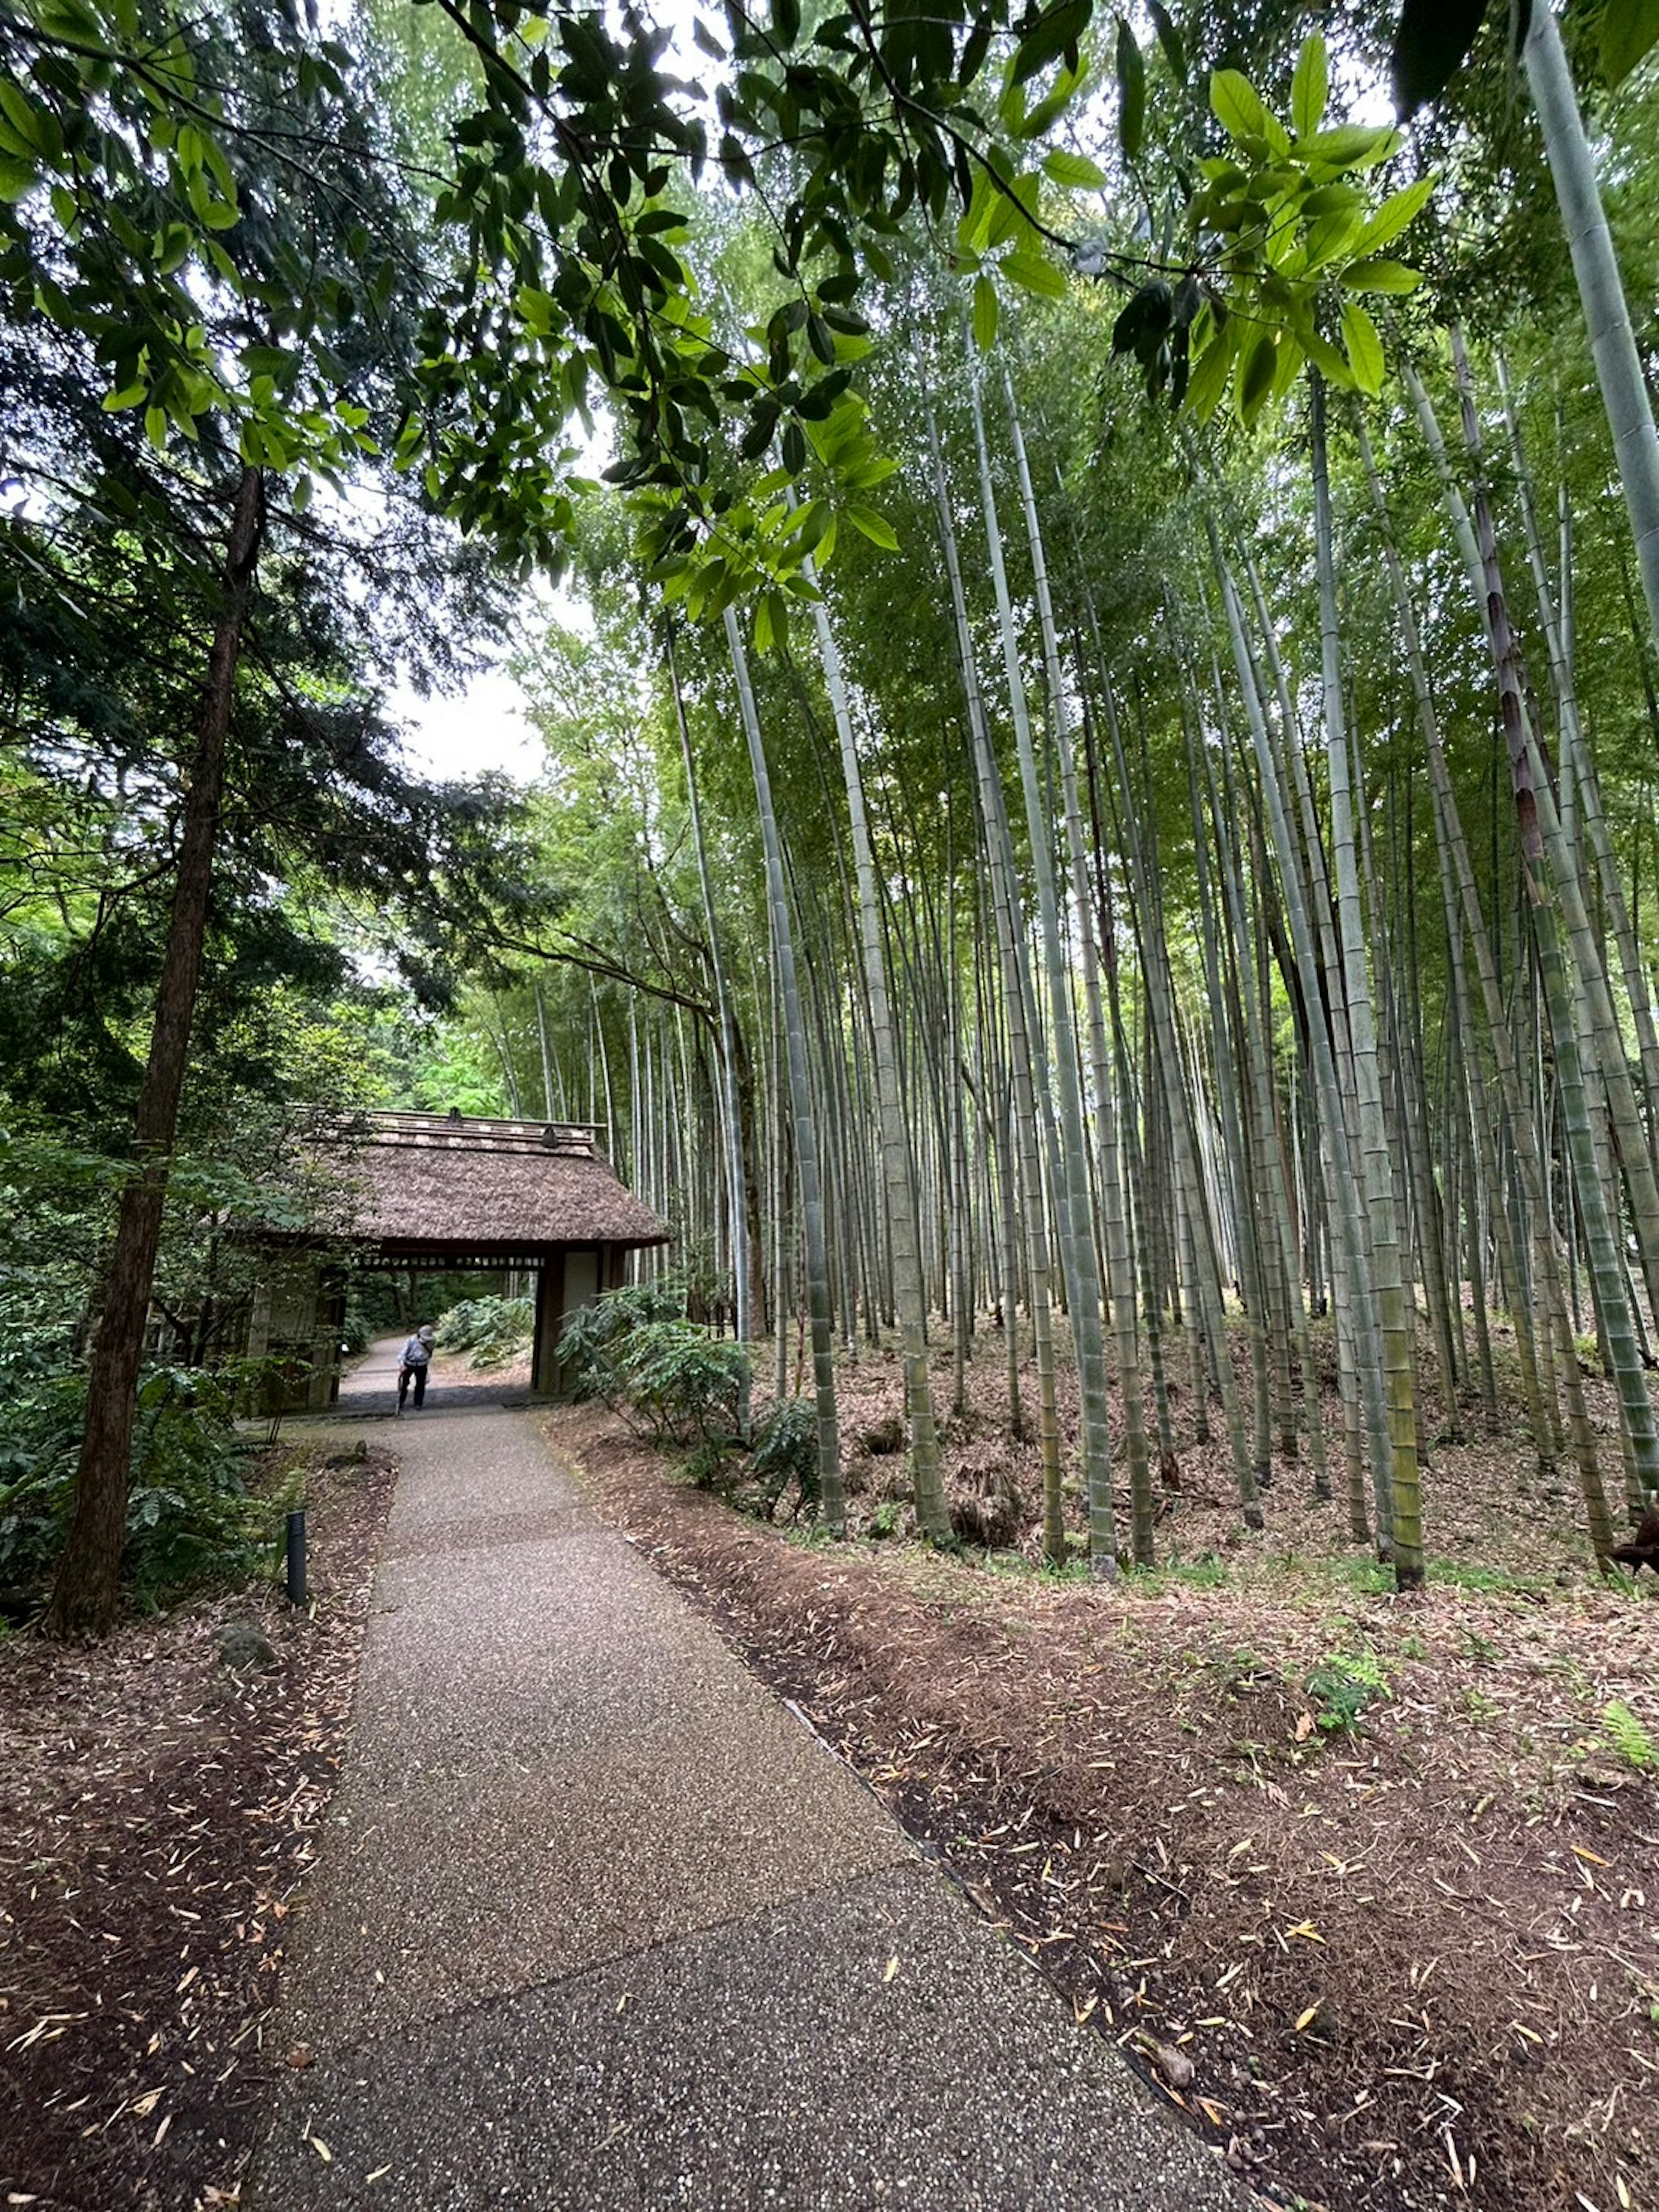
(601, 1924)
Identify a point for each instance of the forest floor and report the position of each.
(160, 1800)
(1369, 1885)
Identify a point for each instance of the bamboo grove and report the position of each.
(1099, 804)
(1173, 903)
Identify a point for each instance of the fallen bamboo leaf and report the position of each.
(892, 1968)
(322, 2150)
(1580, 1851)
(1311, 2013)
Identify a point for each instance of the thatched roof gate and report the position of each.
(444, 1191)
(448, 1192)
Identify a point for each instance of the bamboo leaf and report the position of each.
(1169, 38)
(1433, 38)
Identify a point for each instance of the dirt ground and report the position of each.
(1368, 1885)
(158, 1806)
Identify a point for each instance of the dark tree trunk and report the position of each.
(88, 1591)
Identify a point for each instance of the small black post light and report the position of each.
(296, 1559)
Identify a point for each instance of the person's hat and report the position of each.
(428, 1333)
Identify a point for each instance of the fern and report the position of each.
(1341, 1687)
(1630, 1739)
(786, 1452)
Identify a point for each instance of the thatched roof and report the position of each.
(425, 1183)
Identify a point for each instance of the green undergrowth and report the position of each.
(202, 1509)
(495, 1330)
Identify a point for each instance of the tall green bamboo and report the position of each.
(1601, 291)
(931, 1515)
(832, 1497)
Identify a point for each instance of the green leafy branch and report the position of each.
(1286, 242)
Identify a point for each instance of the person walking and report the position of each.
(417, 1354)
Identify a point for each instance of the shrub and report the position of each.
(190, 1518)
(494, 1330)
(595, 1339)
(685, 1387)
(786, 1451)
(634, 1350)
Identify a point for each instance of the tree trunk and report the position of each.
(88, 1583)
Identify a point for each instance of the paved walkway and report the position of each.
(599, 1923)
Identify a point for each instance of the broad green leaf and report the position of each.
(1289, 365)
(1349, 146)
(1329, 238)
(155, 427)
(1397, 214)
(1074, 170)
(1131, 91)
(302, 489)
(1032, 273)
(1629, 29)
(974, 227)
(1169, 38)
(1255, 374)
(28, 128)
(1056, 30)
(875, 527)
(1012, 209)
(15, 177)
(1432, 39)
(1310, 88)
(1237, 104)
(1054, 104)
(985, 313)
(1209, 378)
(1325, 357)
(1364, 348)
(1377, 275)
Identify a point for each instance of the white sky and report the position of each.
(454, 740)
